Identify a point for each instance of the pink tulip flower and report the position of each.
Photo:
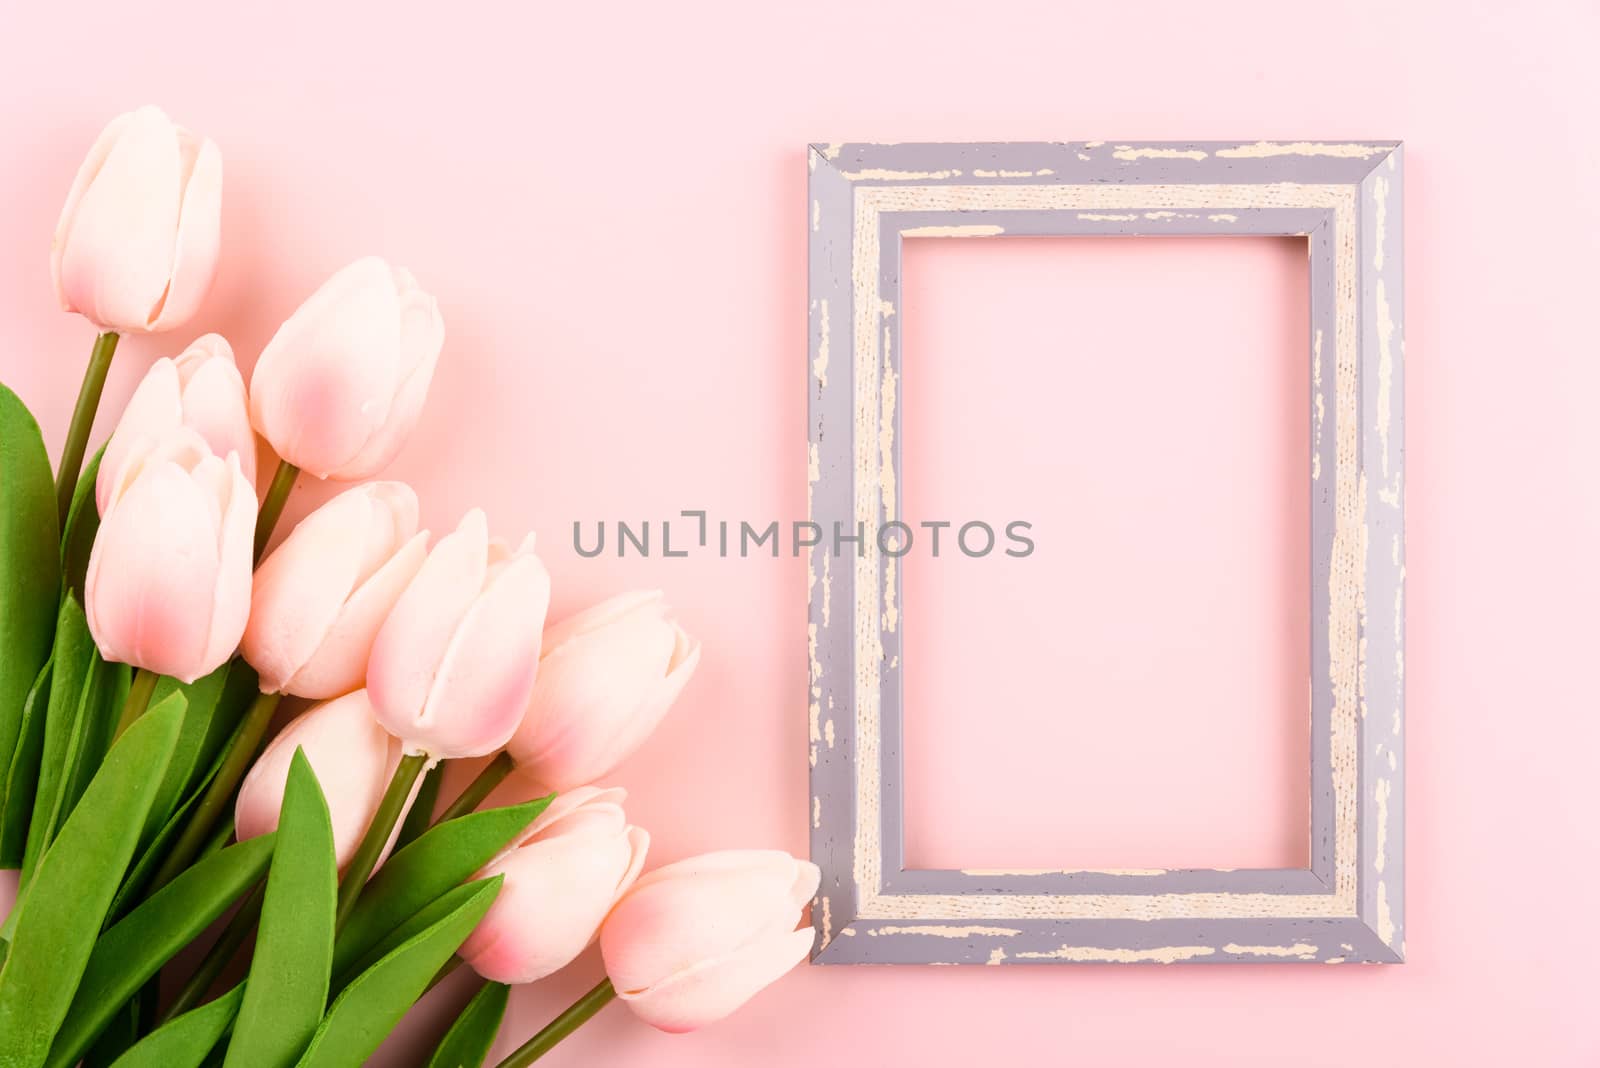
(561, 878)
(693, 941)
(453, 665)
(339, 387)
(201, 389)
(321, 596)
(136, 247)
(606, 678)
(353, 757)
(168, 585)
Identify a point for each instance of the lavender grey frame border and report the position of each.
(1345, 197)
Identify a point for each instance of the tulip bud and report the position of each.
(321, 596)
(693, 941)
(353, 756)
(606, 678)
(136, 247)
(200, 389)
(561, 878)
(342, 382)
(168, 584)
(454, 663)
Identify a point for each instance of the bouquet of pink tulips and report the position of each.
(146, 641)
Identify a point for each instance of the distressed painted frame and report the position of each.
(1345, 198)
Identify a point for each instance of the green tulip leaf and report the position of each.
(155, 851)
(134, 950)
(59, 914)
(99, 709)
(287, 988)
(203, 696)
(71, 665)
(30, 566)
(240, 688)
(369, 1008)
(444, 857)
(430, 914)
(83, 523)
(79, 718)
(467, 1043)
(144, 867)
(134, 1020)
(184, 1041)
(420, 814)
(23, 778)
(122, 1032)
(237, 692)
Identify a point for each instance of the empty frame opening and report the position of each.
(1134, 691)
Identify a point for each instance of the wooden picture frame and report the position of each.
(1345, 198)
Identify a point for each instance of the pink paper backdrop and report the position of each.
(1134, 692)
(609, 203)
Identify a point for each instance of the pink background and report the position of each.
(610, 204)
(1140, 681)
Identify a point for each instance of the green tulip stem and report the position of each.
(143, 685)
(272, 505)
(222, 951)
(576, 1016)
(215, 803)
(492, 775)
(94, 383)
(412, 765)
(420, 817)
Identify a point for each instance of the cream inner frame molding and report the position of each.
(1345, 198)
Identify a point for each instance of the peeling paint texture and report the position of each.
(1345, 199)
